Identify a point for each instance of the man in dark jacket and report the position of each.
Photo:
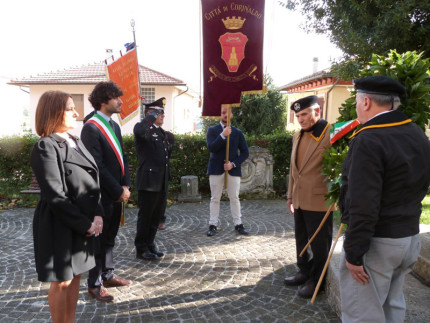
(152, 178)
(170, 137)
(385, 176)
(102, 137)
(218, 168)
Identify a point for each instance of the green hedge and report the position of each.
(15, 170)
(189, 157)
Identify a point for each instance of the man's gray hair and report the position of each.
(392, 101)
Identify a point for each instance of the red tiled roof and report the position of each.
(94, 73)
(319, 79)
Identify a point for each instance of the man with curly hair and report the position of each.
(102, 137)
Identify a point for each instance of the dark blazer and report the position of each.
(153, 155)
(111, 177)
(69, 200)
(385, 177)
(238, 151)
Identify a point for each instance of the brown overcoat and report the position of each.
(306, 185)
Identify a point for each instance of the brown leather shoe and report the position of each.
(100, 293)
(115, 281)
(307, 290)
(296, 280)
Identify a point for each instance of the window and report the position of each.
(148, 96)
(78, 99)
(292, 115)
(321, 102)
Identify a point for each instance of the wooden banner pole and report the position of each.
(326, 264)
(318, 230)
(227, 148)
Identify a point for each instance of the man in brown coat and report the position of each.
(306, 191)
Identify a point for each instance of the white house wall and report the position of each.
(176, 119)
(186, 112)
(36, 92)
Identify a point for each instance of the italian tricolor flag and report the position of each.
(340, 129)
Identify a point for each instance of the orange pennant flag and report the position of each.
(125, 73)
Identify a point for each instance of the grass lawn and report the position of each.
(425, 215)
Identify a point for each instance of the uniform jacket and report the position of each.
(153, 156)
(111, 177)
(306, 185)
(69, 200)
(238, 150)
(385, 176)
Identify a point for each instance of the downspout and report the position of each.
(328, 92)
(174, 100)
(24, 90)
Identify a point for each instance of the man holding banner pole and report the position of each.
(233, 33)
(219, 168)
(306, 194)
(102, 137)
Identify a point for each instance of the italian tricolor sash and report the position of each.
(110, 136)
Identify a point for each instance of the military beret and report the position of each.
(379, 84)
(304, 103)
(161, 102)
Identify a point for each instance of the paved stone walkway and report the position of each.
(225, 278)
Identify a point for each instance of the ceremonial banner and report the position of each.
(124, 72)
(232, 52)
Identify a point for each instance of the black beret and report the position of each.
(161, 102)
(379, 84)
(304, 103)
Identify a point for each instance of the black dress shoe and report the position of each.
(296, 280)
(240, 229)
(156, 252)
(307, 290)
(212, 230)
(147, 255)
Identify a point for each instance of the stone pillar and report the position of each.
(189, 189)
(257, 174)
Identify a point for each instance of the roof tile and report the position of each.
(92, 74)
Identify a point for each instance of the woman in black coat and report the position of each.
(69, 212)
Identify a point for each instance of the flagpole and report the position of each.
(227, 147)
(318, 229)
(132, 23)
(326, 264)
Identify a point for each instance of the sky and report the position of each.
(48, 35)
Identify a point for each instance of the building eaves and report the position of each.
(317, 75)
(92, 74)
